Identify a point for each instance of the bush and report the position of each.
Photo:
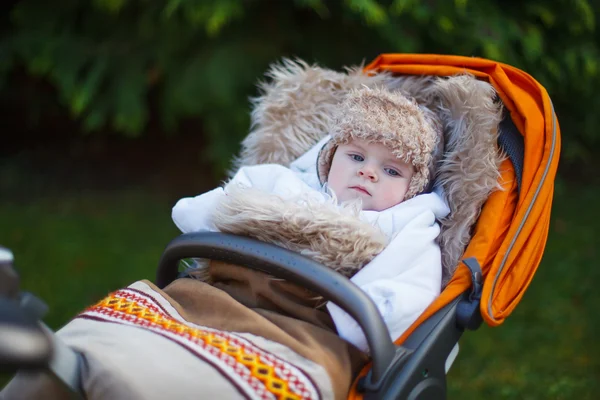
(110, 61)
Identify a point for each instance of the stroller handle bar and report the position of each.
(285, 264)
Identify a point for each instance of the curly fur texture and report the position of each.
(296, 110)
(469, 168)
(333, 235)
(378, 115)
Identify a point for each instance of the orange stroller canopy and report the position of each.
(511, 232)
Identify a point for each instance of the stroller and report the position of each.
(492, 244)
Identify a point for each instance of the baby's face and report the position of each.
(369, 171)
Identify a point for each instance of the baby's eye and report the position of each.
(392, 172)
(356, 157)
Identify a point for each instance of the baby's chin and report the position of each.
(351, 196)
(348, 195)
(366, 201)
(362, 200)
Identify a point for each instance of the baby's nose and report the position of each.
(368, 173)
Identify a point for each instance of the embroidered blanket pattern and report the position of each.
(256, 373)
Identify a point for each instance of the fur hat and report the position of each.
(378, 115)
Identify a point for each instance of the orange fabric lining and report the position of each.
(511, 232)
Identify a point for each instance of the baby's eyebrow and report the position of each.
(356, 146)
(399, 164)
(393, 160)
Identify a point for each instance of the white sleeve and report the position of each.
(402, 281)
(274, 179)
(194, 214)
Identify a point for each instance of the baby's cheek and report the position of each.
(393, 194)
(391, 199)
(333, 181)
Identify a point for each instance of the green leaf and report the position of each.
(570, 58)
(87, 90)
(371, 11)
(586, 13)
(39, 54)
(461, 5)
(66, 73)
(212, 16)
(187, 87)
(171, 7)
(400, 6)
(445, 24)
(112, 6)
(553, 68)
(316, 5)
(590, 62)
(492, 51)
(94, 120)
(40, 65)
(222, 14)
(543, 12)
(37, 16)
(130, 108)
(533, 43)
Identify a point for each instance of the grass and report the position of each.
(72, 249)
(548, 348)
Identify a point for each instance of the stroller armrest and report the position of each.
(285, 264)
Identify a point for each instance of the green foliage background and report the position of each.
(115, 65)
(86, 210)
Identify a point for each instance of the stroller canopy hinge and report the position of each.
(468, 315)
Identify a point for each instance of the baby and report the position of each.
(379, 153)
(378, 158)
(381, 149)
(371, 173)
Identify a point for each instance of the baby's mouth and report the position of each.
(360, 189)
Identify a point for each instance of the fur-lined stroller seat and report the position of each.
(239, 335)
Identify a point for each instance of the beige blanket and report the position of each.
(248, 337)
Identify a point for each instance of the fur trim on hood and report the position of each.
(380, 116)
(331, 234)
(294, 109)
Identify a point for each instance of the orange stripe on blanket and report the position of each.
(265, 375)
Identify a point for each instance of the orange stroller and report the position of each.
(506, 237)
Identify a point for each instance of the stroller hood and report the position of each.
(511, 232)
